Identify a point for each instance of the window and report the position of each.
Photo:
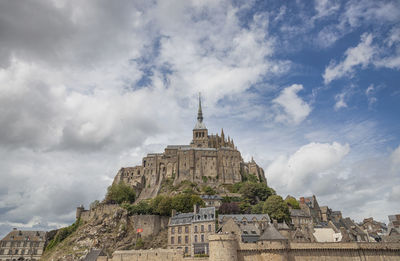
(195, 229)
(179, 240)
(179, 230)
(172, 230)
(186, 239)
(209, 228)
(172, 240)
(22, 251)
(186, 229)
(202, 228)
(186, 250)
(202, 238)
(195, 238)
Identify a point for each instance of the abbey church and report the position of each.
(210, 159)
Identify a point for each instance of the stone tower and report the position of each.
(200, 132)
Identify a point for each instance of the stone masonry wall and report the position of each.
(224, 247)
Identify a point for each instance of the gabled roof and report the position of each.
(271, 234)
(298, 213)
(21, 235)
(247, 217)
(182, 218)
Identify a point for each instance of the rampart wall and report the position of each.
(98, 211)
(226, 248)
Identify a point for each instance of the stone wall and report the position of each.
(224, 247)
(151, 224)
(148, 255)
(99, 211)
(318, 251)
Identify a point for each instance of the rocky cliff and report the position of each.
(110, 231)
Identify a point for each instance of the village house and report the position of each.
(22, 245)
(190, 231)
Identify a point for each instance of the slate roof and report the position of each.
(177, 146)
(248, 217)
(271, 234)
(205, 214)
(181, 219)
(298, 213)
(21, 235)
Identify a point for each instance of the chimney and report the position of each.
(173, 213)
(195, 209)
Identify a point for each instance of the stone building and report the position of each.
(22, 245)
(209, 159)
(311, 207)
(300, 219)
(190, 231)
(212, 200)
(247, 228)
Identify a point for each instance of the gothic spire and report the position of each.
(200, 125)
(200, 112)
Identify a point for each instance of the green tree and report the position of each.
(209, 190)
(118, 193)
(164, 206)
(245, 207)
(276, 208)
(249, 177)
(257, 208)
(292, 202)
(255, 192)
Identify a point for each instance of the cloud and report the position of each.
(89, 87)
(395, 159)
(340, 101)
(309, 161)
(325, 8)
(295, 110)
(361, 55)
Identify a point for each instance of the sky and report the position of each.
(309, 89)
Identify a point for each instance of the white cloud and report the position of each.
(295, 173)
(295, 110)
(107, 84)
(340, 101)
(325, 8)
(361, 55)
(395, 159)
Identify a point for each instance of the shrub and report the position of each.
(118, 193)
(292, 202)
(62, 234)
(209, 190)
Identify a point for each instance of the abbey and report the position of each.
(210, 159)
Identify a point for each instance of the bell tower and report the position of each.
(200, 132)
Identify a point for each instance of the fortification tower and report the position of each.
(200, 132)
(223, 247)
